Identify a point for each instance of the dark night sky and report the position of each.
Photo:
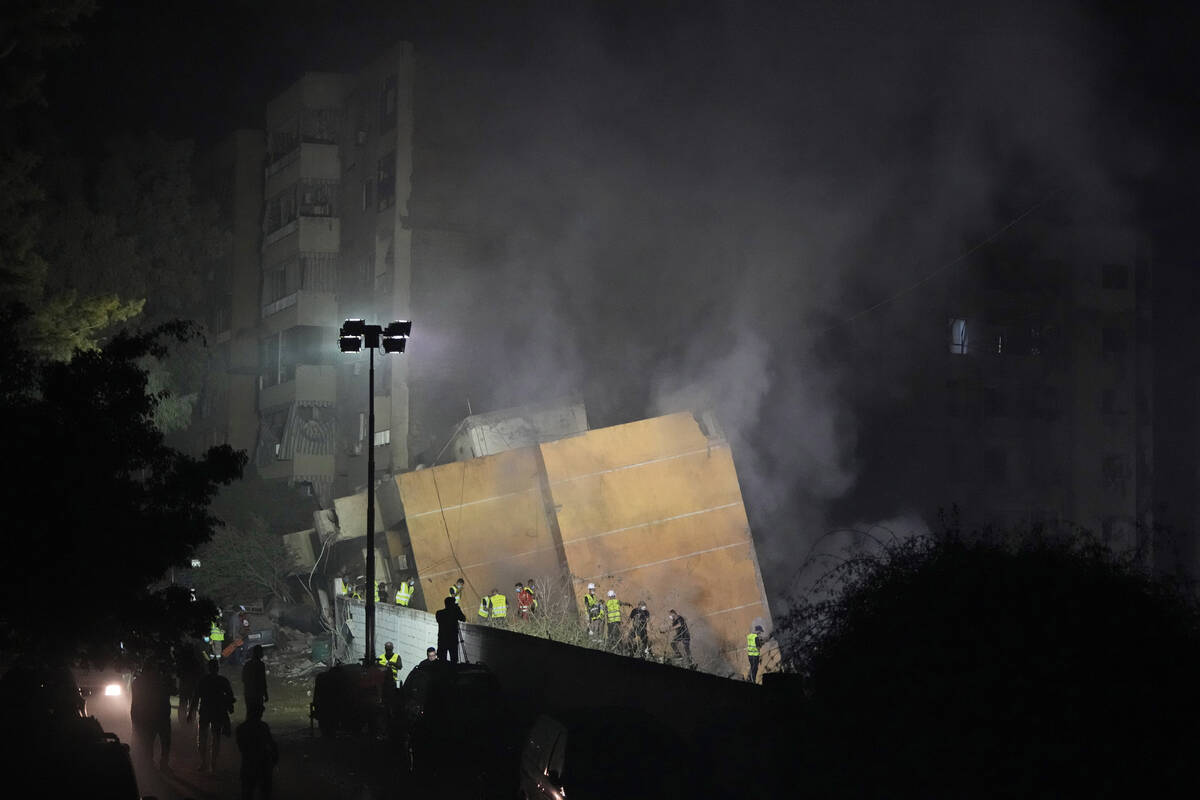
(724, 178)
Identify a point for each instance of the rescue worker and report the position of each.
(639, 630)
(381, 593)
(391, 660)
(499, 604)
(754, 642)
(217, 636)
(485, 607)
(681, 639)
(524, 601)
(613, 607)
(457, 589)
(405, 592)
(595, 611)
(533, 603)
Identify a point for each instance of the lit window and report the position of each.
(958, 336)
(382, 438)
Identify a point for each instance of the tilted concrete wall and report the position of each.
(651, 509)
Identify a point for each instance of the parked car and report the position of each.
(57, 750)
(451, 706)
(353, 697)
(606, 753)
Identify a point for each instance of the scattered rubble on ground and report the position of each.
(292, 655)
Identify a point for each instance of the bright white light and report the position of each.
(195, 562)
(112, 690)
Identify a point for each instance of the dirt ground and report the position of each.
(341, 768)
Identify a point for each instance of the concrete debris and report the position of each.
(292, 656)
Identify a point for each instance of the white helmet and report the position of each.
(591, 586)
(611, 593)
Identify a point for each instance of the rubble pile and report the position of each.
(292, 656)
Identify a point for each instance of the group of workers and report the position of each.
(605, 620)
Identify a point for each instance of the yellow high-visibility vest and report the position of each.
(454, 593)
(483, 607)
(404, 593)
(593, 606)
(218, 633)
(752, 644)
(614, 610)
(499, 606)
(392, 663)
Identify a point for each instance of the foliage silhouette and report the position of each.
(953, 666)
(97, 506)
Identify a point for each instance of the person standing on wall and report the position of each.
(254, 682)
(533, 602)
(639, 629)
(595, 610)
(524, 601)
(405, 592)
(754, 642)
(681, 637)
(456, 590)
(613, 608)
(485, 606)
(499, 604)
(447, 622)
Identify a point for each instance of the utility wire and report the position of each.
(962, 257)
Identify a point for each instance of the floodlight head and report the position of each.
(349, 344)
(354, 327)
(394, 344)
(401, 327)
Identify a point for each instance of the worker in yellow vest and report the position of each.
(754, 643)
(405, 592)
(485, 607)
(613, 607)
(499, 604)
(216, 637)
(595, 610)
(456, 590)
(391, 660)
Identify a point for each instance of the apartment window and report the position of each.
(1115, 276)
(368, 193)
(385, 178)
(1113, 342)
(281, 209)
(958, 336)
(270, 360)
(317, 198)
(381, 438)
(387, 104)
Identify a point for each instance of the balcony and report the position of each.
(317, 234)
(312, 384)
(301, 308)
(309, 161)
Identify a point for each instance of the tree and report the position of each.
(962, 667)
(239, 564)
(97, 506)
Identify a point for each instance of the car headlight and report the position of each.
(112, 690)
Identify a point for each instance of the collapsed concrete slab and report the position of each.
(650, 509)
